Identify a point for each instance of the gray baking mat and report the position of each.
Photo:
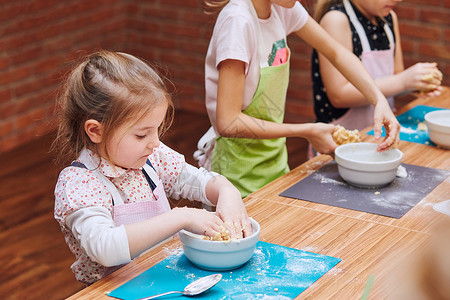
(394, 200)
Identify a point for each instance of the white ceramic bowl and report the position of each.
(438, 123)
(219, 255)
(361, 165)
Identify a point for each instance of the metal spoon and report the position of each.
(194, 288)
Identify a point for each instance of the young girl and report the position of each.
(111, 201)
(247, 75)
(370, 29)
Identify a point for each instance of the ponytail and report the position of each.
(213, 7)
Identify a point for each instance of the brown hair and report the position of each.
(112, 88)
(213, 7)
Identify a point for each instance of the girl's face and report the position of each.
(377, 8)
(130, 145)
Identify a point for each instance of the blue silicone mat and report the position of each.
(273, 272)
(409, 121)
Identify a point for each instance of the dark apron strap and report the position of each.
(78, 164)
(149, 180)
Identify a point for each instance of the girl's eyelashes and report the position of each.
(140, 136)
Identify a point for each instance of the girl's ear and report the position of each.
(94, 130)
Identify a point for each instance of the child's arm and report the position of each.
(213, 189)
(231, 122)
(143, 235)
(110, 245)
(353, 70)
(198, 184)
(229, 206)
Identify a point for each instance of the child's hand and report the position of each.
(231, 210)
(383, 116)
(200, 221)
(424, 78)
(321, 138)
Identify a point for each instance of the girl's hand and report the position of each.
(230, 208)
(423, 77)
(383, 116)
(320, 137)
(200, 221)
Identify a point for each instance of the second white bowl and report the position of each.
(361, 165)
(438, 123)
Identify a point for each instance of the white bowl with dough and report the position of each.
(219, 255)
(438, 123)
(360, 164)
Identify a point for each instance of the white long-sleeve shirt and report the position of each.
(83, 206)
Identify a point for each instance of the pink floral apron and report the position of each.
(128, 213)
(378, 63)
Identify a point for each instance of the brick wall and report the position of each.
(38, 39)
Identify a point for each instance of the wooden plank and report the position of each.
(367, 244)
(364, 247)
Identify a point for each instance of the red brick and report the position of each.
(5, 95)
(410, 61)
(435, 51)
(158, 42)
(6, 128)
(408, 45)
(437, 16)
(301, 109)
(4, 63)
(21, 56)
(10, 142)
(31, 86)
(301, 79)
(149, 27)
(178, 30)
(177, 4)
(179, 59)
(7, 110)
(447, 36)
(405, 12)
(29, 118)
(425, 2)
(300, 63)
(164, 14)
(46, 36)
(14, 75)
(421, 31)
(200, 18)
(195, 47)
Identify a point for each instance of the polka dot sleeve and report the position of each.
(168, 164)
(78, 188)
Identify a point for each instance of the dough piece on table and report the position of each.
(422, 126)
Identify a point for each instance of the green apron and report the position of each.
(252, 163)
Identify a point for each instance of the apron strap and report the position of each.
(360, 30)
(78, 164)
(150, 174)
(389, 35)
(88, 164)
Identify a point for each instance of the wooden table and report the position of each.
(366, 243)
